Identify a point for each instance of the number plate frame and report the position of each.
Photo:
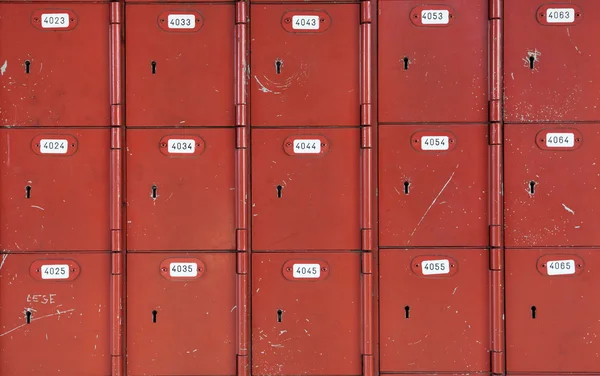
(415, 140)
(36, 269)
(416, 263)
(288, 145)
(288, 271)
(36, 19)
(541, 139)
(163, 145)
(73, 144)
(543, 262)
(163, 24)
(415, 15)
(324, 17)
(542, 11)
(166, 264)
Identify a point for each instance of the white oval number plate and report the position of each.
(55, 20)
(307, 146)
(48, 146)
(59, 271)
(560, 140)
(305, 22)
(177, 146)
(435, 17)
(183, 269)
(433, 267)
(561, 267)
(435, 143)
(181, 21)
(560, 15)
(307, 271)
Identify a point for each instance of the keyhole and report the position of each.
(533, 312)
(532, 187)
(154, 192)
(405, 60)
(28, 317)
(531, 61)
(27, 66)
(406, 185)
(154, 316)
(28, 191)
(278, 65)
(407, 312)
(279, 189)
(279, 314)
(153, 64)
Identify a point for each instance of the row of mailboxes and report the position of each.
(305, 188)
(181, 312)
(304, 67)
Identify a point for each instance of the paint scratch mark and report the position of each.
(3, 67)
(568, 209)
(433, 202)
(4, 257)
(37, 207)
(58, 313)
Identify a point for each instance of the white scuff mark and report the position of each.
(277, 345)
(283, 331)
(234, 307)
(41, 65)
(58, 313)
(512, 75)
(568, 209)
(433, 202)
(3, 67)
(4, 257)
(398, 192)
(37, 207)
(263, 88)
(454, 292)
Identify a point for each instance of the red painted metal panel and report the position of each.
(45, 81)
(552, 311)
(434, 310)
(308, 325)
(58, 324)
(433, 70)
(305, 78)
(179, 65)
(307, 200)
(179, 325)
(550, 68)
(54, 190)
(181, 189)
(433, 185)
(551, 187)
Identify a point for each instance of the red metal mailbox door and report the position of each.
(54, 308)
(181, 314)
(305, 64)
(306, 314)
(433, 185)
(434, 302)
(434, 60)
(181, 189)
(551, 190)
(552, 310)
(54, 189)
(550, 67)
(45, 81)
(179, 65)
(305, 189)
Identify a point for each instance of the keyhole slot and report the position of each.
(28, 191)
(154, 194)
(406, 187)
(27, 66)
(406, 62)
(153, 65)
(28, 315)
(279, 314)
(154, 313)
(407, 312)
(278, 65)
(531, 61)
(279, 191)
(533, 312)
(532, 187)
